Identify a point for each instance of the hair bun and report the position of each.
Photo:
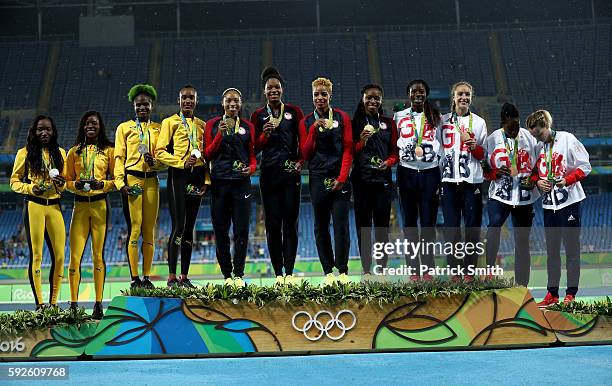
(269, 71)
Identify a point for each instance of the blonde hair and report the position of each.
(323, 82)
(540, 118)
(454, 87)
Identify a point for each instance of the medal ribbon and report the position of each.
(280, 116)
(376, 121)
(513, 153)
(549, 158)
(457, 123)
(47, 164)
(142, 134)
(419, 133)
(192, 133)
(89, 166)
(330, 115)
(237, 126)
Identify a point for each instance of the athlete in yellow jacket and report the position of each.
(88, 170)
(36, 174)
(180, 146)
(136, 178)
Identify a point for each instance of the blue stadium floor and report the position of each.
(554, 366)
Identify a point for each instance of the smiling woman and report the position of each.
(418, 175)
(375, 154)
(36, 175)
(326, 142)
(180, 146)
(230, 148)
(136, 178)
(462, 136)
(89, 175)
(277, 136)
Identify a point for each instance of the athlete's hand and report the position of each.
(246, 172)
(321, 122)
(561, 183)
(502, 171)
(268, 127)
(37, 190)
(80, 184)
(298, 166)
(202, 190)
(149, 159)
(365, 135)
(189, 162)
(544, 185)
(223, 127)
(470, 143)
(337, 185)
(59, 181)
(124, 191)
(96, 185)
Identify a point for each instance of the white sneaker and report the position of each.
(329, 279)
(238, 282)
(367, 278)
(280, 280)
(228, 281)
(343, 278)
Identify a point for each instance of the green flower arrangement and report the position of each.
(22, 321)
(598, 307)
(305, 292)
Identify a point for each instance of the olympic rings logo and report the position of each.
(324, 328)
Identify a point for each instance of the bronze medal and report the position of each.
(418, 151)
(465, 136)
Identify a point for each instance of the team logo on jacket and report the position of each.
(335, 124)
(383, 126)
(241, 131)
(288, 116)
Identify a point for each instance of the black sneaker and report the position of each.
(136, 283)
(186, 283)
(98, 311)
(146, 283)
(172, 282)
(74, 305)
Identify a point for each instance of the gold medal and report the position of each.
(230, 123)
(369, 128)
(418, 151)
(329, 123)
(275, 122)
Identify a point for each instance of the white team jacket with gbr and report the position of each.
(508, 189)
(569, 160)
(407, 141)
(457, 164)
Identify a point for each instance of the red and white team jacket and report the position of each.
(508, 189)
(570, 160)
(457, 162)
(407, 123)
